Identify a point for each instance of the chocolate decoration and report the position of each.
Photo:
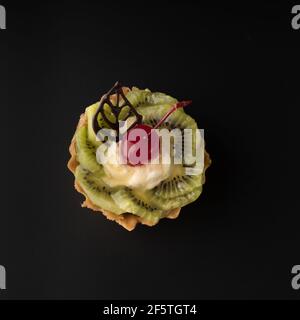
(115, 109)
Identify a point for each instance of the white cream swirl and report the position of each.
(146, 176)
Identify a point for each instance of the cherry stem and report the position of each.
(176, 106)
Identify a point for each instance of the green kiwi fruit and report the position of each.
(97, 191)
(177, 120)
(149, 206)
(159, 98)
(86, 152)
(177, 202)
(177, 186)
(141, 99)
(137, 97)
(137, 203)
(90, 112)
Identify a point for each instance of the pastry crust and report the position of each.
(126, 220)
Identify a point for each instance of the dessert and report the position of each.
(134, 184)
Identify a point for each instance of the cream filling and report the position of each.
(146, 176)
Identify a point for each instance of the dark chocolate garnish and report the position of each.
(115, 109)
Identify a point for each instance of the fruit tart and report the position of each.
(121, 165)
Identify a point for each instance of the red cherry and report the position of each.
(131, 146)
(132, 151)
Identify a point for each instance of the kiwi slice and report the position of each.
(86, 152)
(137, 203)
(174, 202)
(177, 202)
(137, 97)
(149, 206)
(159, 98)
(96, 190)
(177, 186)
(177, 120)
(90, 111)
(141, 99)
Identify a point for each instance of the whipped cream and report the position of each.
(146, 176)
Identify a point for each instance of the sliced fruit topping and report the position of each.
(146, 135)
(159, 98)
(152, 115)
(96, 190)
(177, 202)
(149, 206)
(138, 205)
(86, 152)
(138, 97)
(90, 111)
(179, 184)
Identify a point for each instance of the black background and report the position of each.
(240, 239)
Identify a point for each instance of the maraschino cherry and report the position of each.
(131, 151)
